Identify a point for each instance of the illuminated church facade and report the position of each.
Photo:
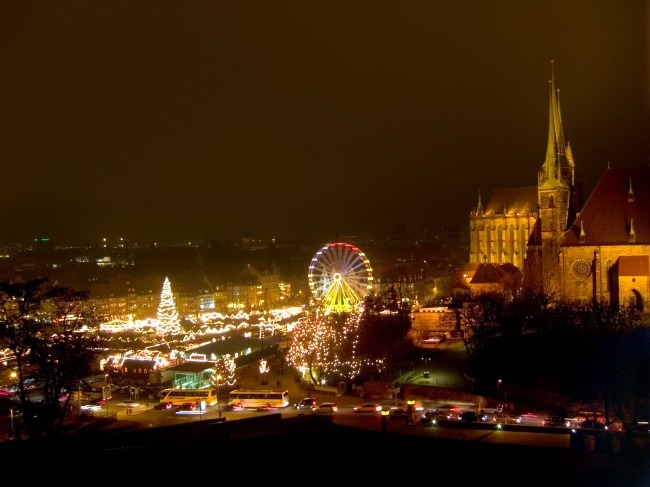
(599, 251)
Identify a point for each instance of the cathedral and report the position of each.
(599, 251)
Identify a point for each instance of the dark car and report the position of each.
(472, 416)
(166, 405)
(188, 406)
(307, 403)
(266, 407)
(555, 422)
(432, 416)
(592, 424)
(640, 429)
(398, 414)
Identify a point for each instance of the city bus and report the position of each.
(182, 396)
(255, 398)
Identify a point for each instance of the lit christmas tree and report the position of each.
(224, 373)
(168, 320)
(323, 346)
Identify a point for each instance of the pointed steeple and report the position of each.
(630, 193)
(479, 208)
(558, 167)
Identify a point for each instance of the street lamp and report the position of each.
(218, 398)
(498, 393)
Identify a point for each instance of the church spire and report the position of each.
(558, 167)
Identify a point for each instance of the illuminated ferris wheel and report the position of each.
(340, 277)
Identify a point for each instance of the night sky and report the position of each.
(176, 121)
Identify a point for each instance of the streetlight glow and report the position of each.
(499, 394)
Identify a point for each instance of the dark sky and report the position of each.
(180, 121)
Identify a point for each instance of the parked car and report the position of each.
(326, 408)
(368, 407)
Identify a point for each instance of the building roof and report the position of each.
(133, 363)
(619, 204)
(513, 201)
(486, 274)
(505, 275)
(467, 269)
(633, 265)
(192, 366)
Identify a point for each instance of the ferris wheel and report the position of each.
(340, 276)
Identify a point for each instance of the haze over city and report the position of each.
(162, 121)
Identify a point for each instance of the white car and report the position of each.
(368, 407)
(430, 340)
(326, 408)
(91, 407)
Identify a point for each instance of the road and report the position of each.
(459, 430)
(443, 362)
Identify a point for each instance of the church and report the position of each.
(599, 250)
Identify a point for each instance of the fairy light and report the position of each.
(168, 320)
(320, 340)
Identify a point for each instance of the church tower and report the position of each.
(524, 226)
(559, 200)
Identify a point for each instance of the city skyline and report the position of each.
(160, 122)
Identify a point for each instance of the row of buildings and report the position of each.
(125, 283)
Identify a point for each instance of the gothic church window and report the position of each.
(581, 268)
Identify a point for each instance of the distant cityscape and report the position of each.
(124, 279)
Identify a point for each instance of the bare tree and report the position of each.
(43, 326)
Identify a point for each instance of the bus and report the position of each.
(182, 396)
(255, 398)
